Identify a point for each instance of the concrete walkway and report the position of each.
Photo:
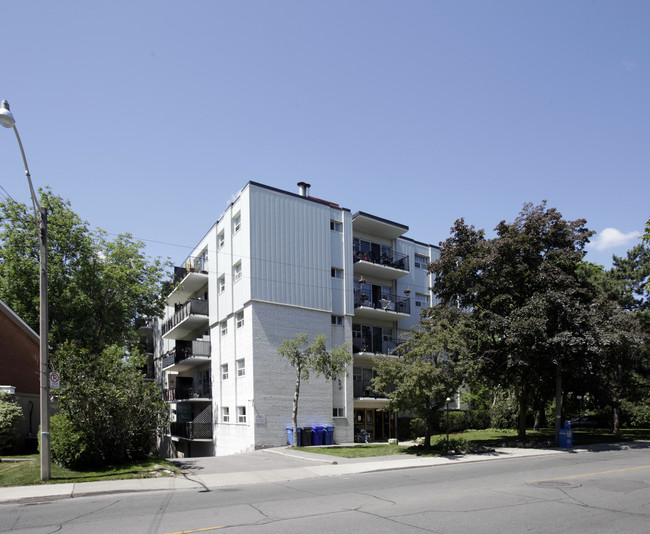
(269, 465)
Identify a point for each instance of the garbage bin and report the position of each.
(317, 437)
(330, 434)
(290, 435)
(566, 436)
(307, 436)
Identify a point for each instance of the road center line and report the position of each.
(600, 473)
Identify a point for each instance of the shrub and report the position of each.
(417, 427)
(69, 445)
(10, 415)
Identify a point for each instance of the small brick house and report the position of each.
(19, 372)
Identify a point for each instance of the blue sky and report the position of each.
(149, 116)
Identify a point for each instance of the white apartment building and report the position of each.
(274, 265)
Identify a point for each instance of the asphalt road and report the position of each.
(599, 492)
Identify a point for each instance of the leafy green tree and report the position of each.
(531, 313)
(431, 365)
(10, 415)
(97, 287)
(109, 412)
(312, 359)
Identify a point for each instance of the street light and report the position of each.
(7, 120)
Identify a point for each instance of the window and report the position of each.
(422, 301)
(221, 239)
(241, 367)
(225, 414)
(222, 283)
(336, 226)
(236, 223)
(224, 328)
(337, 273)
(224, 371)
(239, 319)
(337, 320)
(421, 261)
(236, 271)
(241, 414)
(338, 412)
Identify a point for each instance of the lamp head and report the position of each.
(6, 118)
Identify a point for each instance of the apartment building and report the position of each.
(276, 264)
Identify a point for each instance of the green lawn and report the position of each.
(26, 470)
(474, 438)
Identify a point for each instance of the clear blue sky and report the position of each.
(149, 116)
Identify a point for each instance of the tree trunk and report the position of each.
(616, 423)
(294, 418)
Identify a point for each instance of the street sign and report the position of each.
(54, 380)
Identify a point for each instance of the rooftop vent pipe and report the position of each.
(303, 189)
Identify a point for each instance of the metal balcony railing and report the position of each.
(386, 301)
(191, 430)
(184, 350)
(187, 393)
(192, 307)
(385, 345)
(387, 257)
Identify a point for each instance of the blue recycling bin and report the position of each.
(330, 434)
(566, 436)
(290, 435)
(317, 435)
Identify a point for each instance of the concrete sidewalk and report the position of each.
(269, 465)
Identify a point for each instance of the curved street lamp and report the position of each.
(7, 120)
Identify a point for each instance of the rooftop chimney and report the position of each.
(303, 189)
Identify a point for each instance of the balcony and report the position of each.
(372, 305)
(191, 430)
(187, 354)
(371, 345)
(188, 319)
(383, 263)
(188, 394)
(187, 281)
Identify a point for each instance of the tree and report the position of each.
(109, 412)
(312, 359)
(530, 310)
(431, 365)
(10, 415)
(97, 287)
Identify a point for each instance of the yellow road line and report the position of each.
(197, 530)
(602, 472)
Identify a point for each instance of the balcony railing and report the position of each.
(191, 430)
(185, 350)
(386, 301)
(386, 257)
(192, 307)
(363, 388)
(187, 393)
(385, 345)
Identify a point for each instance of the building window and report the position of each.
(222, 283)
(241, 414)
(236, 271)
(422, 301)
(224, 328)
(338, 412)
(239, 319)
(236, 223)
(336, 226)
(421, 261)
(224, 371)
(337, 320)
(337, 273)
(241, 367)
(221, 239)
(225, 414)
